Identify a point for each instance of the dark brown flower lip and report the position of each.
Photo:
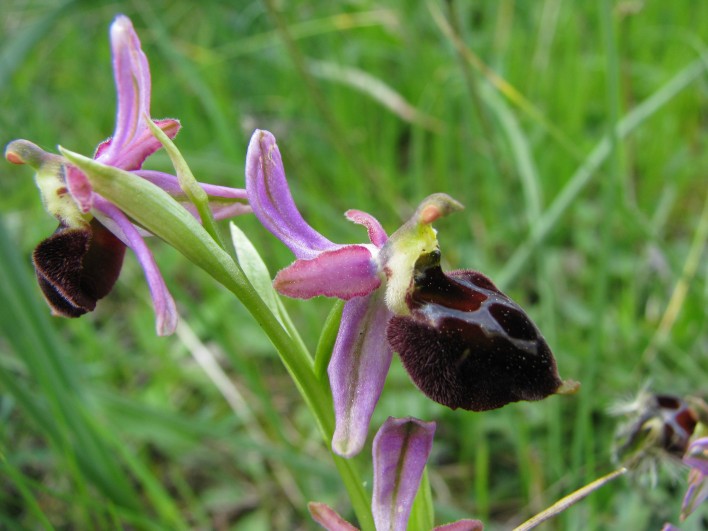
(76, 267)
(466, 344)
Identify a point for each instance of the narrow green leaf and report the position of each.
(327, 339)
(423, 512)
(187, 182)
(254, 268)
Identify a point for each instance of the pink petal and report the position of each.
(170, 184)
(164, 304)
(132, 155)
(132, 141)
(132, 77)
(346, 272)
(377, 235)
(269, 195)
(357, 371)
(328, 518)
(79, 188)
(401, 449)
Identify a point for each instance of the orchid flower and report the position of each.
(81, 261)
(400, 451)
(657, 427)
(696, 457)
(463, 342)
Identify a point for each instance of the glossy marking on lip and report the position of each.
(468, 345)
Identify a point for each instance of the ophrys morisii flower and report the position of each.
(464, 343)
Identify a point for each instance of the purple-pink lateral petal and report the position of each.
(346, 273)
(133, 84)
(164, 304)
(79, 187)
(170, 184)
(272, 202)
(697, 458)
(697, 455)
(328, 518)
(224, 202)
(132, 142)
(132, 155)
(401, 449)
(377, 234)
(696, 494)
(357, 371)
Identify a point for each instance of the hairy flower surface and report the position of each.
(81, 261)
(464, 343)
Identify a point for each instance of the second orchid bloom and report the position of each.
(79, 264)
(463, 342)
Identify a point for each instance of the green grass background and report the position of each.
(575, 133)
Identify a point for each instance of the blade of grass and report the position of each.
(19, 46)
(583, 445)
(59, 411)
(587, 170)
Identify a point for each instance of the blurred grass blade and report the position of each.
(18, 481)
(59, 411)
(525, 165)
(18, 47)
(582, 176)
(375, 89)
(498, 82)
(304, 29)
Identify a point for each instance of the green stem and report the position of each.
(298, 363)
(570, 500)
(155, 210)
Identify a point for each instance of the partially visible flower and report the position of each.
(81, 261)
(463, 342)
(658, 428)
(696, 457)
(400, 451)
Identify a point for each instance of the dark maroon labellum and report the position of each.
(77, 266)
(467, 345)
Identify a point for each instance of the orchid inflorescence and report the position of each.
(464, 343)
